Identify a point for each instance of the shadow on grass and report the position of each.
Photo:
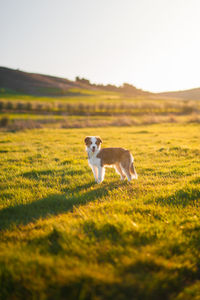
(40, 174)
(188, 195)
(52, 205)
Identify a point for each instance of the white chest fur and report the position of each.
(94, 161)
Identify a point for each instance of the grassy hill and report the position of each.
(192, 94)
(18, 82)
(64, 237)
(15, 81)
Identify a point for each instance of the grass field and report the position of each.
(64, 237)
(75, 95)
(20, 112)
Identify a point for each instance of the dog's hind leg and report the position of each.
(133, 171)
(125, 164)
(126, 170)
(119, 171)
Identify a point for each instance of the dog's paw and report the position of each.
(97, 181)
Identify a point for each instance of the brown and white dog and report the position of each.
(119, 158)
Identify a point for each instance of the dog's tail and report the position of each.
(133, 171)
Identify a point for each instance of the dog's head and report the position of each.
(93, 143)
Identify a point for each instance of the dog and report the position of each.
(119, 158)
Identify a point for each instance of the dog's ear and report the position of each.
(99, 141)
(87, 139)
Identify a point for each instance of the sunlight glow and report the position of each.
(151, 44)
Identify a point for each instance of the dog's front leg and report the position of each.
(101, 173)
(94, 170)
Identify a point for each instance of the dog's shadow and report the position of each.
(54, 204)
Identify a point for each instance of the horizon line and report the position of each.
(98, 83)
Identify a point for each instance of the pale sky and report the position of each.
(152, 44)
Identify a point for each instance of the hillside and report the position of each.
(192, 94)
(35, 84)
(44, 85)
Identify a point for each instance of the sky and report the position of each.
(151, 44)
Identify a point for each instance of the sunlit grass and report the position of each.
(63, 236)
(75, 95)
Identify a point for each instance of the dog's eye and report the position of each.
(98, 141)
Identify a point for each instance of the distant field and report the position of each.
(75, 95)
(90, 108)
(64, 237)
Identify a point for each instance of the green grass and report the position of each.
(64, 237)
(74, 95)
